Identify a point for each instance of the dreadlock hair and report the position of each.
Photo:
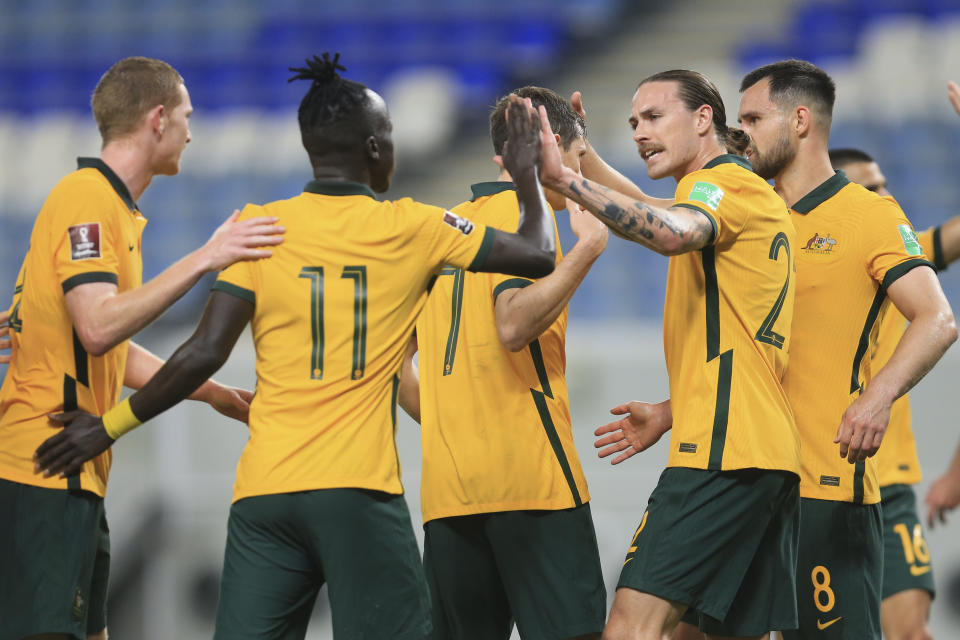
(331, 100)
(840, 158)
(696, 90)
(796, 82)
(565, 122)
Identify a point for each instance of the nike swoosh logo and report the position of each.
(823, 625)
(919, 571)
(130, 247)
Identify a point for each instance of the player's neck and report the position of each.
(709, 150)
(130, 164)
(805, 173)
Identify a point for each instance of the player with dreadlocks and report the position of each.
(318, 495)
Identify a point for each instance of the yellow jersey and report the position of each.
(88, 230)
(897, 460)
(334, 308)
(495, 425)
(726, 326)
(852, 245)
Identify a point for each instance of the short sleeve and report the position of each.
(86, 234)
(706, 192)
(454, 240)
(238, 278)
(892, 247)
(932, 247)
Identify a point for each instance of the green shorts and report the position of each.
(54, 562)
(538, 568)
(281, 548)
(839, 570)
(724, 543)
(906, 559)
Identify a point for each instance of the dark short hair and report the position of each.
(128, 90)
(330, 100)
(696, 90)
(796, 82)
(564, 121)
(840, 158)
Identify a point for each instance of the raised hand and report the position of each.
(641, 428)
(82, 438)
(586, 226)
(576, 103)
(234, 241)
(521, 151)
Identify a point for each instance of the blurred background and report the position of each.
(441, 65)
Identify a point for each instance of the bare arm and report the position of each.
(668, 231)
(104, 318)
(932, 329)
(408, 394)
(523, 314)
(85, 437)
(530, 251)
(230, 401)
(944, 493)
(950, 239)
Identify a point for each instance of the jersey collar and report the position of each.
(482, 189)
(339, 188)
(112, 178)
(826, 190)
(729, 157)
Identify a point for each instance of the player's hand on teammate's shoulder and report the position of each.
(641, 427)
(587, 227)
(82, 438)
(862, 427)
(4, 336)
(953, 92)
(231, 402)
(244, 240)
(943, 496)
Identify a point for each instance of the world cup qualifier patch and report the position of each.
(910, 241)
(708, 194)
(462, 225)
(84, 241)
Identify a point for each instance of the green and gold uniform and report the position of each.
(319, 479)
(906, 561)
(88, 231)
(731, 481)
(853, 245)
(503, 495)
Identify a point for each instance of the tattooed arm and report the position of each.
(669, 231)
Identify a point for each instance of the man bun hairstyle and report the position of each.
(565, 122)
(128, 90)
(696, 90)
(797, 82)
(331, 99)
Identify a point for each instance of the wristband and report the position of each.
(119, 420)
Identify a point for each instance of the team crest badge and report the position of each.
(820, 244)
(79, 605)
(462, 225)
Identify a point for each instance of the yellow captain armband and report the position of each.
(120, 419)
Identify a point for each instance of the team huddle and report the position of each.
(779, 509)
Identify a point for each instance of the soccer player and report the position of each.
(718, 535)
(856, 254)
(78, 300)
(318, 496)
(907, 578)
(504, 498)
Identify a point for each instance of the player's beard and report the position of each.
(769, 164)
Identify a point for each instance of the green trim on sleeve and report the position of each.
(88, 277)
(939, 260)
(895, 273)
(512, 283)
(485, 245)
(234, 290)
(710, 217)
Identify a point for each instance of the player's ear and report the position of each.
(803, 117)
(157, 118)
(704, 118)
(372, 148)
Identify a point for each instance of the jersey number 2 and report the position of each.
(766, 333)
(359, 276)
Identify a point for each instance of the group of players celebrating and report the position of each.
(795, 317)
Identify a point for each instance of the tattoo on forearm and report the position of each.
(638, 222)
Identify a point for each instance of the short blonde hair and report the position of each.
(128, 90)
